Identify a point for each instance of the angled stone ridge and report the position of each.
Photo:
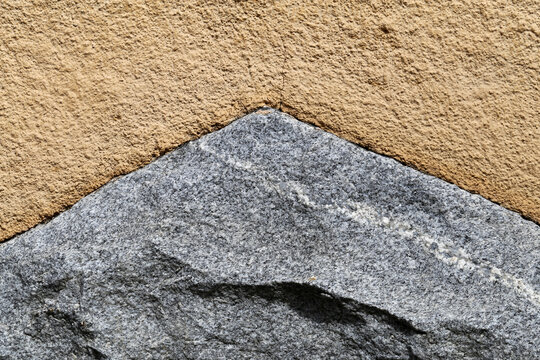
(97, 89)
(273, 239)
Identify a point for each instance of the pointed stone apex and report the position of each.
(273, 239)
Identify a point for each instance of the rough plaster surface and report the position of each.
(271, 239)
(91, 90)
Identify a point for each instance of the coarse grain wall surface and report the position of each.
(93, 89)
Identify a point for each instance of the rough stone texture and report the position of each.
(271, 239)
(90, 90)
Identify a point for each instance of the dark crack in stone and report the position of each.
(271, 239)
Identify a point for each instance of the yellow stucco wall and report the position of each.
(90, 90)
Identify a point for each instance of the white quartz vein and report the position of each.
(365, 214)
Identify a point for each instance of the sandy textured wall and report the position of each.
(89, 91)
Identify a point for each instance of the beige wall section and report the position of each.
(91, 90)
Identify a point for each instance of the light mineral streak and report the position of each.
(367, 215)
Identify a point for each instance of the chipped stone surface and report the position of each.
(94, 89)
(272, 239)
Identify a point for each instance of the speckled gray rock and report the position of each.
(271, 239)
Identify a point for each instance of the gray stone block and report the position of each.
(271, 239)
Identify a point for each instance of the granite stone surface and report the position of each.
(272, 239)
(90, 90)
